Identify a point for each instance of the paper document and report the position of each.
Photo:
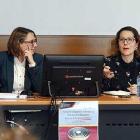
(117, 93)
(8, 96)
(78, 120)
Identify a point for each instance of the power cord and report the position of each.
(53, 111)
(20, 126)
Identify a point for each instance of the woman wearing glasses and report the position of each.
(121, 67)
(20, 66)
(21, 69)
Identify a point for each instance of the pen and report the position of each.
(129, 84)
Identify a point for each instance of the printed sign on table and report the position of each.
(78, 120)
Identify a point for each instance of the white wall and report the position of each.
(69, 17)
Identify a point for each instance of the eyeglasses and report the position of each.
(31, 41)
(129, 40)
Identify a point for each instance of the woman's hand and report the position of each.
(29, 55)
(133, 88)
(107, 73)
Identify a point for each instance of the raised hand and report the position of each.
(107, 73)
(29, 55)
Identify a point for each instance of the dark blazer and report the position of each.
(33, 76)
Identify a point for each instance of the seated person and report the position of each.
(122, 67)
(20, 67)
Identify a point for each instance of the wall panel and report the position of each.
(79, 44)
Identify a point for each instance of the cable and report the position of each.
(20, 126)
(53, 111)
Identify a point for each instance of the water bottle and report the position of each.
(138, 85)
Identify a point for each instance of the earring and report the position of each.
(136, 47)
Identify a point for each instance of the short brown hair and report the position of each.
(17, 36)
(114, 48)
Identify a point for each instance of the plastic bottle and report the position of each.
(138, 85)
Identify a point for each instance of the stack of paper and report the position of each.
(8, 96)
(117, 93)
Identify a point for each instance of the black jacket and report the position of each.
(33, 76)
(123, 73)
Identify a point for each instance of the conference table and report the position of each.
(119, 118)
